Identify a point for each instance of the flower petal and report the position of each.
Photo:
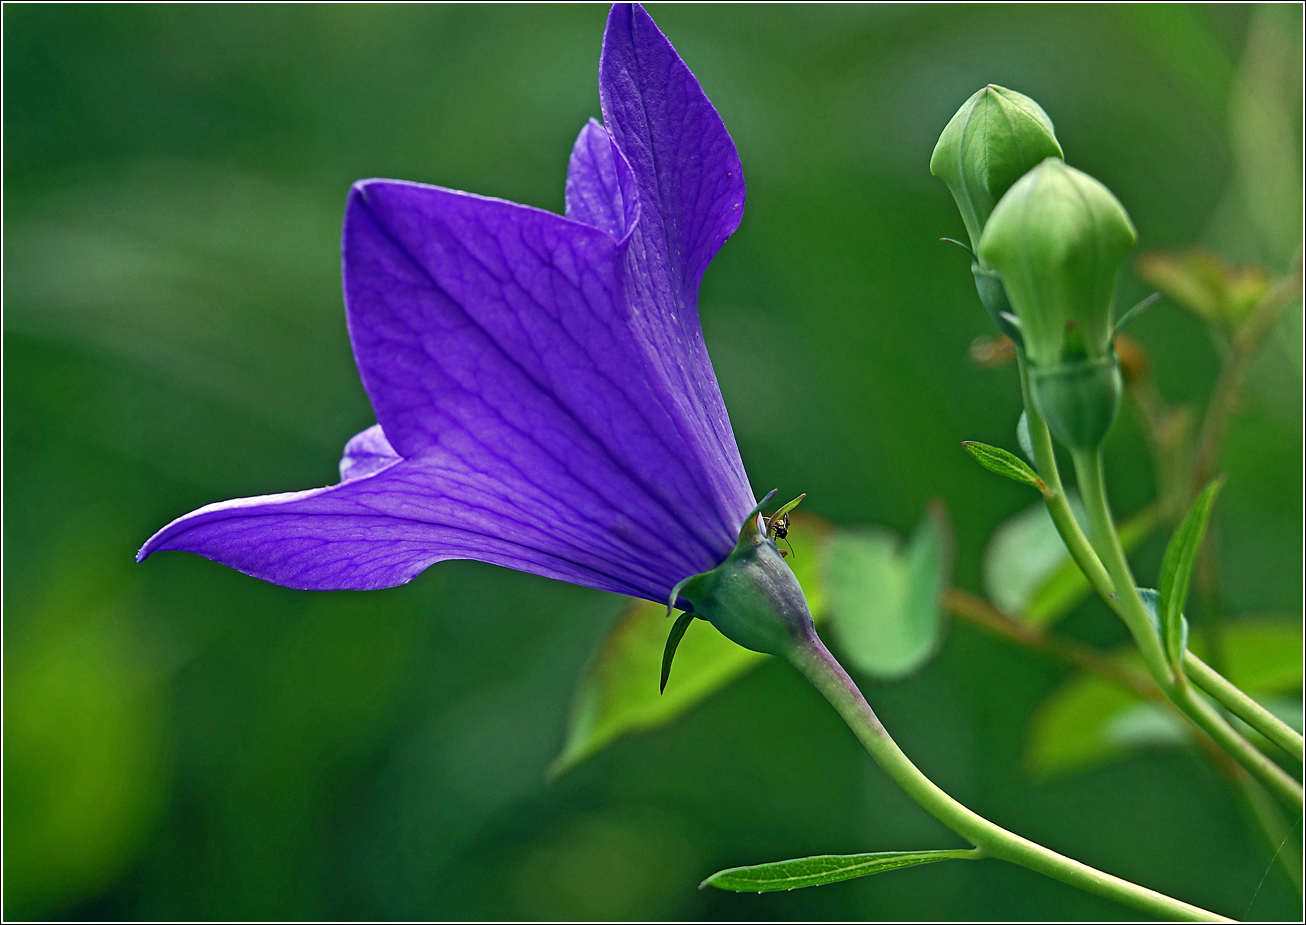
(365, 453)
(380, 530)
(600, 185)
(685, 164)
(691, 198)
(498, 345)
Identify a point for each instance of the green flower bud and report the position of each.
(1078, 399)
(1058, 239)
(996, 137)
(753, 597)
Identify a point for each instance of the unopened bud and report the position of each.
(1058, 238)
(996, 137)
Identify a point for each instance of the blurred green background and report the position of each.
(182, 741)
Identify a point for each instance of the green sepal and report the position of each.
(752, 597)
(675, 593)
(824, 868)
(1078, 399)
(1177, 568)
(1134, 313)
(993, 297)
(962, 244)
(998, 460)
(783, 510)
(673, 640)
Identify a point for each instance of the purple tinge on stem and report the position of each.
(544, 397)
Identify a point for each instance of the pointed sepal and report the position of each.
(673, 640)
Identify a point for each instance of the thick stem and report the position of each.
(1092, 489)
(811, 657)
(1088, 469)
(1242, 706)
(1045, 460)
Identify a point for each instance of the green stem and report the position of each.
(1045, 460)
(1092, 489)
(1088, 469)
(1242, 706)
(1278, 781)
(811, 657)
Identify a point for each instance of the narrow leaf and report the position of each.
(1177, 568)
(669, 651)
(822, 869)
(617, 691)
(1000, 461)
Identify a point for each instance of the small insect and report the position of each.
(777, 526)
(779, 529)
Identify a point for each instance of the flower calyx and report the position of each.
(752, 598)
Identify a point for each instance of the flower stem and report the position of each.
(1045, 461)
(1262, 808)
(1088, 469)
(1092, 489)
(1242, 706)
(811, 657)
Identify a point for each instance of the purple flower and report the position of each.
(545, 399)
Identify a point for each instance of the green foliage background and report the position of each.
(182, 741)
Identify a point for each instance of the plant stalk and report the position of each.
(811, 657)
(1242, 706)
(1262, 808)
(1045, 460)
(1088, 469)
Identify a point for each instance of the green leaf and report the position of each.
(617, 691)
(1024, 552)
(1027, 570)
(1177, 569)
(884, 598)
(998, 460)
(822, 869)
(1089, 721)
(1262, 655)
